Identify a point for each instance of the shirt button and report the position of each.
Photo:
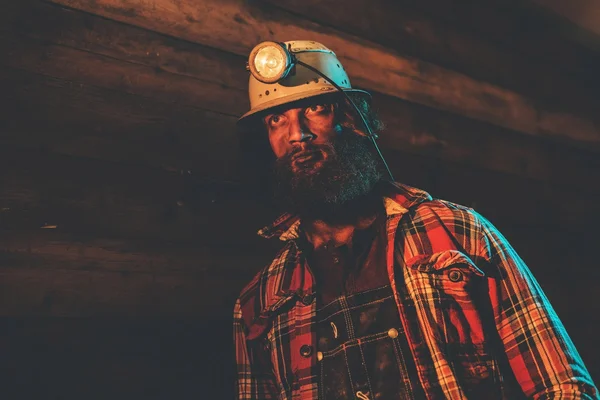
(308, 299)
(336, 260)
(455, 275)
(319, 355)
(306, 351)
(393, 333)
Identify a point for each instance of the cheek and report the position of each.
(278, 145)
(325, 128)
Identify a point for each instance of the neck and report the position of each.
(320, 233)
(338, 228)
(337, 224)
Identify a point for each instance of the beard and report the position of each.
(333, 182)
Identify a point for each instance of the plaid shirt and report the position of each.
(469, 306)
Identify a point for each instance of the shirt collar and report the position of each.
(287, 277)
(397, 199)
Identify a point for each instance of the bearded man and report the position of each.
(381, 291)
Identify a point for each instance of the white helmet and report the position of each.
(301, 82)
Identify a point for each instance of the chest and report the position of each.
(436, 298)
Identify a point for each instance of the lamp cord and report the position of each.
(370, 133)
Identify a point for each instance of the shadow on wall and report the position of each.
(109, 358)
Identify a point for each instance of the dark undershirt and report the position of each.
(357, 268)
(352, 268)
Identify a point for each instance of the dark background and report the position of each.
(127, 220)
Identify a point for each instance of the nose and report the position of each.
(299, 132)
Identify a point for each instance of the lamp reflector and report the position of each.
(269, 62)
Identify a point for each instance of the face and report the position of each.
(296, 129)
(320, 167)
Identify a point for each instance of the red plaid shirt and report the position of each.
(469, 306)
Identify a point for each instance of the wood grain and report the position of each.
(236, 26)
(83, 66)
(521, 27)
(82, 293)
(79, 118)
(403, 27)
(84, 38)
(53, 24)
(584, 13)
(119, 358)
(84, 195)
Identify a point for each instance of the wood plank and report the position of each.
(117, 358)
(80, 119)
(584, 13)
(520, 27)
(461, 141)
(412, 127)
(84, 120)
(505, 200)
(124, 201)
(212, 23)
(411, 32)
(80, 293)
(49, 23)
(83, 66)
(497, 196)
(421, 37)
(47, 249)
(84, 237)
(52, 273)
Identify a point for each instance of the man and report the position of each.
(381, 291)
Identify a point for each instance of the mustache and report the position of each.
(307, 149)
(346, 173)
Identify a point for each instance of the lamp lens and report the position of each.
(269, 62)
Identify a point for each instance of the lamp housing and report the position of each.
(269, 62)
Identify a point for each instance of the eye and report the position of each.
(274, 120)
(315, 108)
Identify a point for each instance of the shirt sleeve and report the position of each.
(539, 350)
(254, 378)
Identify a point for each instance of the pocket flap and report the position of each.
(259, 324)
(443, 260)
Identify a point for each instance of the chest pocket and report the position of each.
(449, 291)
(447, 287)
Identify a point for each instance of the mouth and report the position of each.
(307, 156)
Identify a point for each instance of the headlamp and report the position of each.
(270, 62)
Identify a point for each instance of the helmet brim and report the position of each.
(264, 107)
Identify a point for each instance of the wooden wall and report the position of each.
(127, 229)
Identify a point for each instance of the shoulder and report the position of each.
(445, 212)
(274, 268)
(417, 205)
(438, 225)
